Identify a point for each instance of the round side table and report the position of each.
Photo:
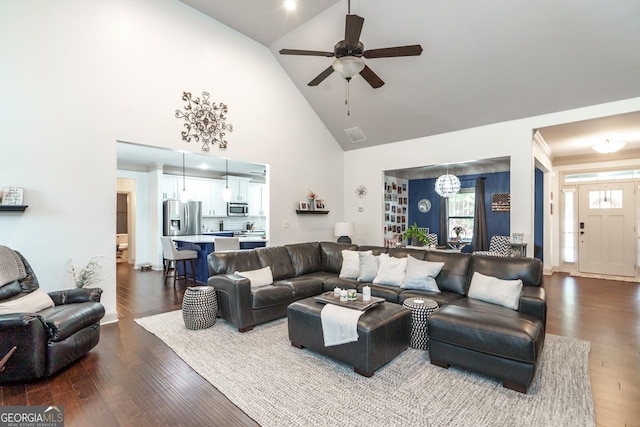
(199, 307)
(421, 309)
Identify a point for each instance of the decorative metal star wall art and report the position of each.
(204, 121)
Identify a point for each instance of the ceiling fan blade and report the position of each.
(323, 75)
(388, 52)
(352, 31)
(371, 77)
(305, 52)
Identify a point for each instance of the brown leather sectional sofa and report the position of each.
(472, 334)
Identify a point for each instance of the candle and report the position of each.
(366, 293)
(343, 295)
(336, 292)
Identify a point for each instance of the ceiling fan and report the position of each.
(349, 53)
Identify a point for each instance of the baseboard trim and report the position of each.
(111, 317)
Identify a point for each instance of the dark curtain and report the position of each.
(479, 220)
(444, 222)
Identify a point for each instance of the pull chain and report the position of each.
(346, 101)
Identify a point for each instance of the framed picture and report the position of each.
(304, 206)
(12, 195)
(320, 205)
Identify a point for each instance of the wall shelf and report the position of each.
(13, 208)
(299, 212)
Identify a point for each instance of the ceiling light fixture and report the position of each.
(608, 146)
(290, 4)
(447, 185)
(226, 193)
(183, 194)
(348, 67)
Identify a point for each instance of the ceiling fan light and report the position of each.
(348, 66)
(447, 185)
(608, 146)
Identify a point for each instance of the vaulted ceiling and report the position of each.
(484, 61)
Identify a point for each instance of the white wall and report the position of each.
(77, 76)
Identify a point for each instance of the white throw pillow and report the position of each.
(496, 291)
(391, 270)
(421, 274)
(260, 277)
(350, 265)
(368, 266)
(29, 303)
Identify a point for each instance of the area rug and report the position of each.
(279, 385)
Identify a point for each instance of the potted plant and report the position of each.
(418, 237)
(88, 275)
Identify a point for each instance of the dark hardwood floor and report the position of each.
(132, 379)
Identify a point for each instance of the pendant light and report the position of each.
(183, 194)
(226, 193)
(447, 185)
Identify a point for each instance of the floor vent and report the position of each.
(355, 134)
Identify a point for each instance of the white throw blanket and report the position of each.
(339, 324)
(11, 266)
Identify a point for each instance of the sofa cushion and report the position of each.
(496, 291)
(302, 286)
(331, 255)
(305, 257)
(259, 277)
(278, 259)
(389, 293)
(350, 265)
(27, 303)
(338, 282)
(376, 250)
(529, 270)
(453, 276)
(391, 270)
(369, 264)
(270, 296)
(421, 274)
(403, 252)
(228, 262)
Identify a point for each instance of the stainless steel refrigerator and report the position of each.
(181, 219)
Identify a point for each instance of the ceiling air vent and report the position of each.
(355, 134)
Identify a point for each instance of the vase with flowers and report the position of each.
(312, 199)
(460, 232)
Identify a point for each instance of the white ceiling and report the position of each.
(484, 61)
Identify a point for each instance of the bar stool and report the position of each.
(172, 256)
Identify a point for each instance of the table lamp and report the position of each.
(343, 230)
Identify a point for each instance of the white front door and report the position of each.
(606, 230)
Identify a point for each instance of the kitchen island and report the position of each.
(205, 244)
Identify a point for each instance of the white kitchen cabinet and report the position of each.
(257, 199)
(200, 190)
(218, 205)
(170, 189)
(239, 189)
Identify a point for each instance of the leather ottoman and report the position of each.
(384, 333)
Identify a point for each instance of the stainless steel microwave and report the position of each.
(237, 209)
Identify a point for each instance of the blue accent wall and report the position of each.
(538, 216)
(498, 223)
